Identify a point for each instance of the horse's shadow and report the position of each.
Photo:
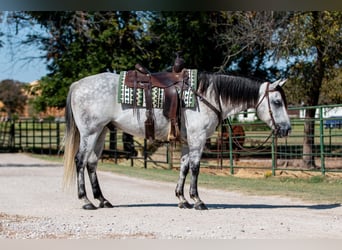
(240, 206)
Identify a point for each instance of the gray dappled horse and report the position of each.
(92, 106)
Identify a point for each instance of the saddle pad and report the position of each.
(125, 94)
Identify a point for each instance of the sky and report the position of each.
(14, 62)
(12, 66)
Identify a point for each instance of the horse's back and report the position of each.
(95, 87)
(97, 81)
(93, 99)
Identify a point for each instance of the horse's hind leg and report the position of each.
(86, 157)
(91, 168)
(80, 166)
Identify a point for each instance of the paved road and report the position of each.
(33, 205)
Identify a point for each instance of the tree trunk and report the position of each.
(313, 94)
(309, 139)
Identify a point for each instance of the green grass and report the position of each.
(318, 189)
(315, 189)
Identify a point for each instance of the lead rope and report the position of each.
(241, 147)
(259, 148)
(219, 115)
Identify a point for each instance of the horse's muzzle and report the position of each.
(283, 130)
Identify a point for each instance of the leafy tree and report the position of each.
(312, 43)
(192, 33)
(86, 43)
(247, 40)
(12, 96)
(331, 91)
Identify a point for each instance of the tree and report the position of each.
(247, 41)
(192, 33)
(312, 43)
(85, 43)
(331, 92)
(12, 96)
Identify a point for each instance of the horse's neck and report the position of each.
(230, 109)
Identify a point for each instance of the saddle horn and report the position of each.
(142, 69)
(179, 63)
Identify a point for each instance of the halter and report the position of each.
(218, 112)
(266, 95)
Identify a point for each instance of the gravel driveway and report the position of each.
(33, 205)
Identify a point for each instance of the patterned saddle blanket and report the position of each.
(126, 94)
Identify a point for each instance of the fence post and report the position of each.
(50, 134)
(169, 155)
(57, 136)
(321, 139)
(231, 159)
(274, 153)
(145, 153)
(12, 135)
(41, 121)
(20, 139)
(34, 134)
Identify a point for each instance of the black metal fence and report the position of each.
(30, 135)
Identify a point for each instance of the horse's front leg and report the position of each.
(194, 163)
(184, 169)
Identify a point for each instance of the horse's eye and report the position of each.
(278, 103)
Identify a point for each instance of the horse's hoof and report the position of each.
(89, 206)
(106, 204)
(184, 205)
(200, 206)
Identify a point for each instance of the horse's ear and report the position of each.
(279, 83)
(282, 82)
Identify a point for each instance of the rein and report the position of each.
(258, 149)
(212, 107)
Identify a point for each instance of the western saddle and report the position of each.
(172, 83)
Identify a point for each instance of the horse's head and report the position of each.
(272, 108)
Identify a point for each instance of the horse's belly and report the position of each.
(133, 122)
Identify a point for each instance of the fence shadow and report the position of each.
(266, 206)
(237, 206)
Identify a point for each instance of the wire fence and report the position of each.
(247, 144)
(285, 153)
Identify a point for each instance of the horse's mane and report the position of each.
(233, 89)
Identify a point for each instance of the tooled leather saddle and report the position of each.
(173, 83)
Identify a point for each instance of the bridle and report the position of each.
(267, 96)
(218, 112)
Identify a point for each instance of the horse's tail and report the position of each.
(71, 140)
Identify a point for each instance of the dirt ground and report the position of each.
(261, 168)
(33, 206)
